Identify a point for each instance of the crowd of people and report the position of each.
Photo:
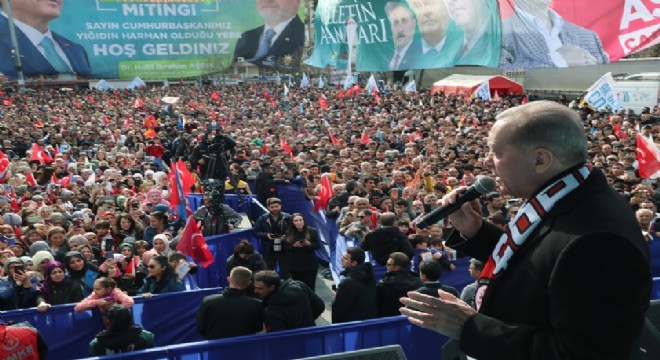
(87, 218)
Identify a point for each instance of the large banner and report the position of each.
(509, 34)
(151, 38)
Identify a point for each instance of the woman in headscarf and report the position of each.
(131, 278)
(39, 261)
(80, 271)
(154, 197)
(57, 289)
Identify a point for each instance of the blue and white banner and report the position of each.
(601, 95)
(483, 91)
(411, 87)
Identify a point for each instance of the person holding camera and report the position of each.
(270, 229)
(210, 220)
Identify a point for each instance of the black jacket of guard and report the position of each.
(356, 295)
(231, 313)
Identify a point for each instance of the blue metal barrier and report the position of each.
(655, 293)
(221, 246)
(171, 317)
(418, 343)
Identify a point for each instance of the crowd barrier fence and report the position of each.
(171, 317)
(416, 342)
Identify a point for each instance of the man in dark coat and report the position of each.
(264, 185)
(290, 304)
(548, 289)
(356, 294)
(270, 228)
(279, 42)
(429, 273)
(387, 239)
(233, 312)
(395, 284)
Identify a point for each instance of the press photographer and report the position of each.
(211, 151)
(216, 218)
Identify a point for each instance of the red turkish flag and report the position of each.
(29, 179)
(365, 138)
(193, 244)
(287, 149)
(334, 139)
(325, 193)
(215, 96)
(322, 103)
(648, 157)
(138, 103)
(14, 203)
(39, 155)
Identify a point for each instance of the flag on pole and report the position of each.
(321, 83)
(304, 82)
(333, 139)
(379, 135)
(290, 82)
(348, 81)
(322, 103)
(483, 91)
(325, 193)
(138, 103)
(136, 83)
(601, 95)
(278, 79)
(364, 139)
(193, 244)
(648, 157)
(104, 85)
(372, 85)
(40, 155)
(411, 87)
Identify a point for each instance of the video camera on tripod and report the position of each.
(215, 190)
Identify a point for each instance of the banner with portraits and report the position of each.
(152, 39)
(508, 34)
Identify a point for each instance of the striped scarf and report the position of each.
(524, 223)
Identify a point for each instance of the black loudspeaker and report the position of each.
(390, 352)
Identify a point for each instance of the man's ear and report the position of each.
(543, 159)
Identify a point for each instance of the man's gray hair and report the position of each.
(550, 125)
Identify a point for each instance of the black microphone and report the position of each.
(482, 186)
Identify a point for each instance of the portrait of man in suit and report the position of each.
(42, 50)
(403, 25)
(536, 36)
(441, 40)
(277, 43)
(480, 22)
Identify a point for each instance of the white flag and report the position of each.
(483, 91)
(372, 85)
(304, 83)
(104, 85)
(136, 83)
(348, 82)
(411, 87)
(170, 99)
(321, 83)
(601, 95)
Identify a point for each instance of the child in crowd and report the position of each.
(422, 251)
(106, 293)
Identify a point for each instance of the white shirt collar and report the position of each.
(551, 37)
(278, 29)
(35, 36)
(426, 47)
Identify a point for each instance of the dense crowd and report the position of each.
(390, 157)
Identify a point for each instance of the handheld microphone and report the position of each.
(482, 186)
